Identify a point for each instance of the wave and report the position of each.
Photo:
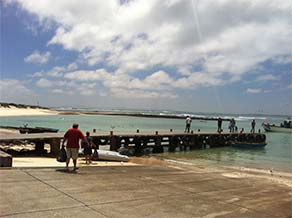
(244, 118)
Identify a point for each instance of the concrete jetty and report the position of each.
(139, 141)
(140, 191)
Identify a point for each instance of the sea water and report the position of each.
(276, 155)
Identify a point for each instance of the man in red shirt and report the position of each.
(72, 137)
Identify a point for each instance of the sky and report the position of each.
(223, 56)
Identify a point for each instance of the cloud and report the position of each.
(15, 91)
(285, 59)
(72, 66)
(57, 91)
(290, 86)
(253, 91)
(37, 74)
(135, 93)
(158, 48)
(38, 58)
(45, 83)
(267, 77)
(56, 72)
(220, 37)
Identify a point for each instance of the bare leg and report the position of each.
(75, 163)
(67, 163)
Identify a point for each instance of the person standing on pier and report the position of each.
(72, 137)
(253, 123)
(88, 146)
(219, 129)
(232, 125)
(188, 124)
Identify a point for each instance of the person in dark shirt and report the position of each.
(219, 129)
(72, 137)
(87, 146)
(253, 123)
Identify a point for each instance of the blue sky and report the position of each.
(200, 56)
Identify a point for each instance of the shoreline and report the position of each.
(204, 165)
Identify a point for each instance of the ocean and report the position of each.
(277, 155)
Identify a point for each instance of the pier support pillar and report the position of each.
(113, 143)
(39, 146)
(55, 146)
(172, 144)
(138, 147)
(158, 148)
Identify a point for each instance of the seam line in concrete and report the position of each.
(41, 210)
(63, 192)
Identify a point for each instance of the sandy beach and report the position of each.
(15, 111)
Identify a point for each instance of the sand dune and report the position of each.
(14, 111)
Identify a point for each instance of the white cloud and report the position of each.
(135, 93)
(176, 44)
(267, 77)
(253, 91)
(57, 91)
(222, 37)
(15, 91)
(198, 79)
(56, 71)
(45, 83)
(37, 74)
(72, 66)
(38, 58)
(290, 86)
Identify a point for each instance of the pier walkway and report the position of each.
(139, 141)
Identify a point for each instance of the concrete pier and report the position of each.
(141, 191)
(138, 141)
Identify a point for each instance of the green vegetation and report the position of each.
(8, 105)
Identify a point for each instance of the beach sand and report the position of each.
(14, 111)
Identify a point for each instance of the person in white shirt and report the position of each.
(188, 124)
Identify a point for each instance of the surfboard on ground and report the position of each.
(108, 155)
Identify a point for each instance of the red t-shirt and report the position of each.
(73, 136)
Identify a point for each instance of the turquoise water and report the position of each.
(277, 154)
